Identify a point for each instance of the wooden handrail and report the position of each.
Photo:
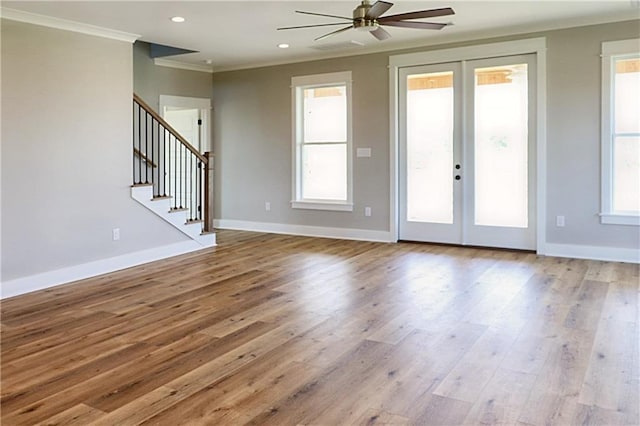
(166, 125)
(144, 157)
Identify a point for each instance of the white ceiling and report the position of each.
(242, 34)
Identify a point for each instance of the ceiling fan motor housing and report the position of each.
(360, 20)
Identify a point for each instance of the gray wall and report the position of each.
(573, 136)
(252, 139)
(252, 142)
(150, 81)
(66, 152)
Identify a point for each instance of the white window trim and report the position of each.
(298, 84)
(611, 50)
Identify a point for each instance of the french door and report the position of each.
(467, 152)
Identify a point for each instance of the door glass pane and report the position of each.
(430, 147)
(500, 118)
(325, 114)
(626, 174)
(324, 172)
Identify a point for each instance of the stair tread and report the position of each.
(161, 197)
(136, 185)
(190, 222)
(178, 209)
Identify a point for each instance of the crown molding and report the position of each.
(182, 65)
(539, 29)
(63, 24)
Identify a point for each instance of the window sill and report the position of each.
(322, 205)
(619, 219)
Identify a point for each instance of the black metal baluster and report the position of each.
(197, 191)
(158, 163)
(164, 161)
(180, 172)
(187, 200)
(184, 175)
(156, 148)
(139, 145)
(175, 172)
(186, 178)
(179, 177)
(151, 158)
(133, 140)
(201, 182)
(191, 186)
(146, 147)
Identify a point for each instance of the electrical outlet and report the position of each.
(367, 211)
(267, 206)
(560, 221)
(116, 234)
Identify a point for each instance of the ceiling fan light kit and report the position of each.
(368, 17)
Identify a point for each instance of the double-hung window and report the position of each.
(322, 141)
(621, 132)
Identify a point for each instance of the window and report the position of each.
(322, 141)
(621, 132)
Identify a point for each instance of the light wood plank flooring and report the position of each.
(283, 330)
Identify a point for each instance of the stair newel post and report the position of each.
(208, 192)
(200, 188)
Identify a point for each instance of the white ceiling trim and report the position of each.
(182, 65)
(63, 24)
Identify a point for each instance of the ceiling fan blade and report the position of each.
(419, 25)
(378, 9)
(322, 37)
(420, 14)
(322, 14)
(309, 26)
(380, 33)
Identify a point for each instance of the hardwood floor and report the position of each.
(283, 330)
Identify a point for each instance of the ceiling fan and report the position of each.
(368, 17)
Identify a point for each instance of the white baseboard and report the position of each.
(613, 254)
(305, 230)
(91, 269)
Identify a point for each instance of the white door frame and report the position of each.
(536, 46)
(203, 104)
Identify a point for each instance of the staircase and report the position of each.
(170, 177)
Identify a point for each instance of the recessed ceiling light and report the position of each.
(208, 61)
(283, 46)
(177, 19)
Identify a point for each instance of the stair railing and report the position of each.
(166, 160)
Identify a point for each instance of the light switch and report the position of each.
(363, 152)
